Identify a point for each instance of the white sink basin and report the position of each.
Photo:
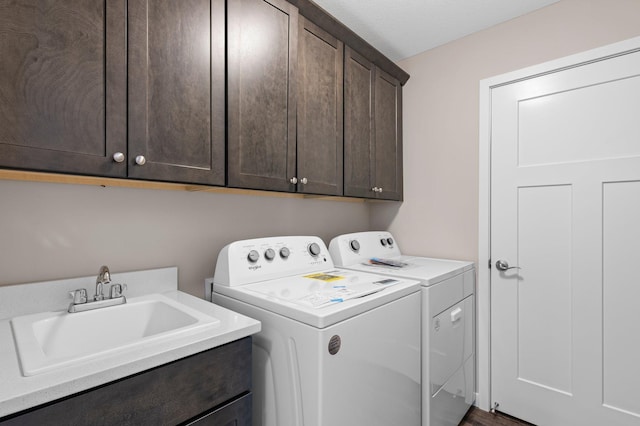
(50, 340)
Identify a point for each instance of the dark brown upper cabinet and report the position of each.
(320, 111)
(372, 131)
(63, 86)
(262, 39)
(177, 90)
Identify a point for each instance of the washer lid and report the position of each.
(428, 270)
(323, 298)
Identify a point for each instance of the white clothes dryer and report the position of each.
(448, 318)
(337, 347)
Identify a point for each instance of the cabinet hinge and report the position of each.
(489, 265)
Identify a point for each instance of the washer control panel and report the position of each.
(248, 261)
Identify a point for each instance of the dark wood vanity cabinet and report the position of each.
(63, 86)
(262, 38)
(372, 130)
(176, 88)
(208, 388)
(67, 66)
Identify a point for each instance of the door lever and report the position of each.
(503, 265)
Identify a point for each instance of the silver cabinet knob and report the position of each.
(374, 189)
(503, 265)
(118, 157)
(140, 160)
(293, 180)
(304, 181)
(380, 189)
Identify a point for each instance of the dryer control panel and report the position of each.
(349, 249)
(249, 261)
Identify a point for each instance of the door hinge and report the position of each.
(489, 265)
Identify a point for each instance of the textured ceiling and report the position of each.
(403, 28)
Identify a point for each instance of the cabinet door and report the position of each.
(388, 136)
(62, 86)
(358, 125)
(176, 90)
(320, 101)
(262, 46)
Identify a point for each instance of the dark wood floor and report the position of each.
(478, 417)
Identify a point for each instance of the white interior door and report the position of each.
(565, 209)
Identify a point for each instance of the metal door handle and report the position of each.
(503, 265)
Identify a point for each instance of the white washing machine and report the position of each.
(337, 347)
(448, 319)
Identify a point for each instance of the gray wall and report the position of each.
(51, 231)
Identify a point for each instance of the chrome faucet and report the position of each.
(116, 296)
(104, 277)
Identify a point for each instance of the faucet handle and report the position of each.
(79, 296)
(117, 290)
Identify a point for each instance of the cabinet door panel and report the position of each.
(388, 137)
(176, 90)
(358, 125)
(62, 86)
(320, 106)
(262, 46)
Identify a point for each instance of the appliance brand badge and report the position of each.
(255, 267)
(334, 344)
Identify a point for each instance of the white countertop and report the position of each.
(18, 393)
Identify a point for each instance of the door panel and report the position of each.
(262, 47)
(176, 90)
(388, 137)
(621, 316)
(555, 127)
(544, 244)
(63, 87)
(565, 165)
(320, 106)
(358, 125)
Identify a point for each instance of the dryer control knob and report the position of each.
(390, 241)
(284, 252)
(355, 245)
(253, 256)
(269, 254)
(383, 241)
(314, 249)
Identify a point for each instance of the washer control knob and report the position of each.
(355, 245)
(383, 241)
(253, 256)
(269, 254)
(284, 252)
(390, 241)
(314, 249)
